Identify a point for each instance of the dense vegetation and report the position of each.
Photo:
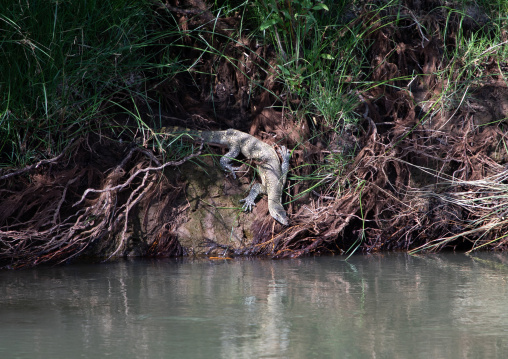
(396, 112)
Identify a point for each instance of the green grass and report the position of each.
(67, 69)
(64, 65)
(466, 59)
(317, 54)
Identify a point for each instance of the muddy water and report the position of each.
(393, 306)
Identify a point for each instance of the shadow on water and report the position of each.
(383, 306)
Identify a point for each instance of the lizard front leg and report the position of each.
(257, 189)
(225, 161)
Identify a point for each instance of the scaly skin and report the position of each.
(273, 175)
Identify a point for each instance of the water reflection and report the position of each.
(392, 306)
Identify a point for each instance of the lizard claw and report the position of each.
(247, 206)
(284, 153)
(233, 169)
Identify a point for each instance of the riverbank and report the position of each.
(395, 114)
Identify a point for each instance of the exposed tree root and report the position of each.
(54, 220)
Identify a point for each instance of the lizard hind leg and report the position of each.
(286, 156)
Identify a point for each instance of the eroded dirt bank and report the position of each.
(424, 166)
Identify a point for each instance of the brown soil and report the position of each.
(104, 198)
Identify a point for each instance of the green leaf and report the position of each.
(327, 56)
(286, 14)
(320, 6)
(283, 70)
(268, 23)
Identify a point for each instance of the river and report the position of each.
(378, 306)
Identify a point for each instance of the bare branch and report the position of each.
(40, 163)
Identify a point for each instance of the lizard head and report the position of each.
(278, 212)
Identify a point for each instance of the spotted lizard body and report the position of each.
(273, 174)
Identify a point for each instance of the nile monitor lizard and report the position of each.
(273, 175)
